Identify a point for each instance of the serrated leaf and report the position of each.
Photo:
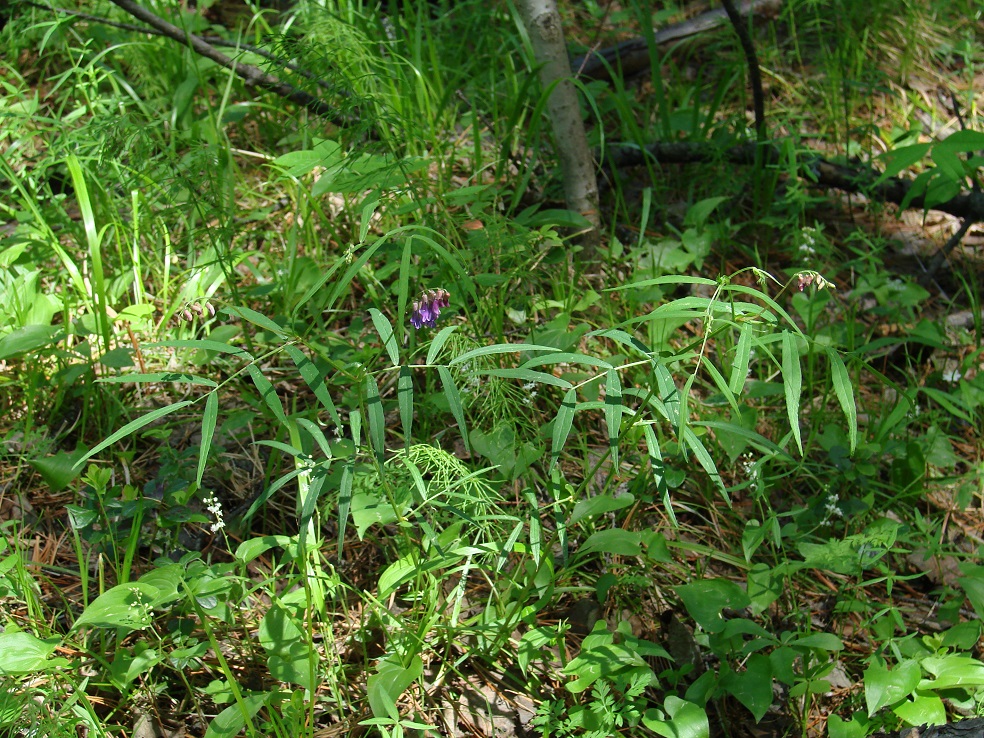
(454, 400)
(793, 384)
(404, 395)
(132, 426)
(267, 392)
(845, 395)
(377, 420)
(613, 412)
(208, 430)
(437, 343)
(385, 330)
(562, 425)
(315, 381)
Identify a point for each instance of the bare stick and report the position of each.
(754, 73)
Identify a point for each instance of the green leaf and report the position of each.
(743, 351)
(614, 541)
(437, 343)
(527, 375)
(793, 383)
(178, 377)
(613, 412)
(267, 392)
(883, 687)
(562, 425)
(59, 470)
(28, 338)
(952, 670)
(256, 318)
(203, 345)
(254, 547)
(753, 686)
(377, 420)
(706, 599)
(317, 435)
(385, 330)
(389, 682)
(686, 720)
(566, 357)
(404, 395)
(454, 400)
(658, 468)
(208, 430)
(315, 381)
(127, 606)
(924, 708)
(23, 653)
(901, 159)
(845, 395)
(231, 721)
(599, 505)
(499, 348)
(344, 502)
(132, 426)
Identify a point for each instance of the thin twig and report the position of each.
(751, 58)
(940, 256)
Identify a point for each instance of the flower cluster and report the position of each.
(805, 279)
(427, 309)
(213, 505)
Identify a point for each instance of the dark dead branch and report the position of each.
(815, 169)
(632, 57)
(253, 76)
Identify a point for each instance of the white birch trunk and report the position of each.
(543, 25)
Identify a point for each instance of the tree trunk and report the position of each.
(543, 25)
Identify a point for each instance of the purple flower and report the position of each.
(427, 309)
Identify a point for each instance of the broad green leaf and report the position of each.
(60, 469)
(837, 727)
(254, 547)
(231, 721)
(793, 383)
(706, 599)
(925, 708)
(599, 505)
(27, 338)
(901, 159)
(127, 606)
(437, 343)
(615, 541)
(23, 653)
(753, 686)
(952, 670)
(743, 351)
(315, 381)
(208, 430)
(845, 395)
(686, 720)
(377, 420)
(385, 330)
(256, 318)
(390, 681)
(268, 392)
(613, 412)
(132, 426)
(404, 395)
(884, 686)
(499, 348)
(454, 400)
(562, 425)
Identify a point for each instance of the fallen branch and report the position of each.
(632, 57)
(814, 168)
(251, 75)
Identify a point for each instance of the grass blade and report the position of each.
(613, 412)
(793, 383)
(208, 430)
(845, 395)
(562, 425)
(404, 394)
(454, 400)
(385, 330)
(133, 426)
